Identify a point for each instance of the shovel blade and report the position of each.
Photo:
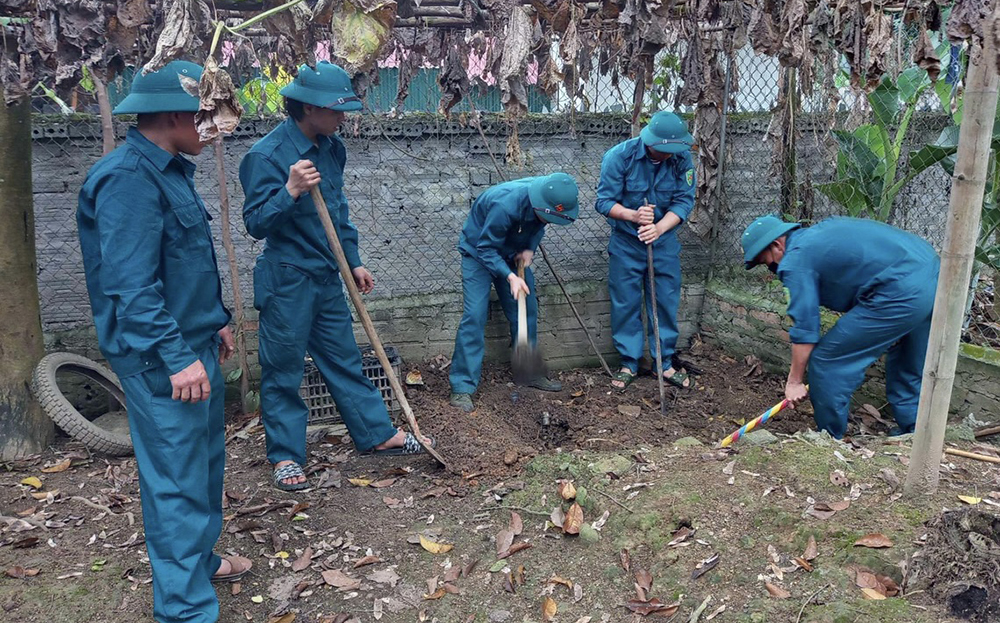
(526, 364)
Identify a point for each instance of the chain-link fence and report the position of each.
(412, 175)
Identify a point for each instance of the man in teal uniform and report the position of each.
(157, 304)
(504, 227)
(297, 286)
(882, 279)
(646, 191)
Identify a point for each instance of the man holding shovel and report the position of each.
(881, 278)
(646, 190)
(297, 287)
(503, 230)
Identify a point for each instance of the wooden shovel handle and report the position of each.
(366, 321)
(522, 310)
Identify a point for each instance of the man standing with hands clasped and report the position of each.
(157, 304)
(297, 286)
(646, 191)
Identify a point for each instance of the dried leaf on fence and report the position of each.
(183, 24)
(360, 31)
(925, 56)
(219, 110)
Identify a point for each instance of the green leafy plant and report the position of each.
(870, 173)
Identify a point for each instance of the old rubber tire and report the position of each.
(71, 421)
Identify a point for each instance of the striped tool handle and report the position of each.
(760, 420)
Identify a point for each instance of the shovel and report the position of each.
(526, 363)
(366, 321)
(656, 325)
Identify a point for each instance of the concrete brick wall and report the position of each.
(410, 184)
(751, 321)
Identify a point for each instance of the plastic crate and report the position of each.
(322, 409)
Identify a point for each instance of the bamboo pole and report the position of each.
(972, 455)
(986, 432)
(234, 274)
(968, 185)
(366, 321)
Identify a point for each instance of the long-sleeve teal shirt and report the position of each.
(501, 224)
(841, 261)
(630, 177)
(294, 233)
(149, 260)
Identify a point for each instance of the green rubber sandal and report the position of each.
(623, 377)
(677, 380)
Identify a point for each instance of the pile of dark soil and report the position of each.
(960, 564)
(511, 424)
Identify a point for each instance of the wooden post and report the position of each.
(104, 105)
(962, 230)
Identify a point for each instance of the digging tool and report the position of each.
(760, 420)
(366, 321)
(572, 306)
(656, 325)
(526, 363)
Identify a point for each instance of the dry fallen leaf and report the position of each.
(557, 517)
(871, 593)
(682, 534)
(838, 478)
(567, 490)
(839, 505)
(385, 576)
(288, 617)
(19, 573)
(549, 609)
(817, 512)
(32, 481)
(367, 560)
(303, 561)
(433, 547)
(888, 585)
(574, 519)
(802, 562)
(413, 377)
(705, 566)
(811, 550)
(515, 548)
(652, 606)
(516, 524)
(968, 499)
(505, 538)
(644, 579)
(625, 560)
(560, 580)
(340, 580)
(874, 540)
(438, 594)
(776, 591)
(61, 466)
(866, 579)
(360, 482)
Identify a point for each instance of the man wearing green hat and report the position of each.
(883, 280)
(504, 227)
(157, 304)
(297, 286)
(646, 190)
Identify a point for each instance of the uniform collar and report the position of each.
(300, 142)
(160, 157)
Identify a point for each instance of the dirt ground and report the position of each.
(652, 511)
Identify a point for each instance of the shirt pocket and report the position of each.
(636, 188)
(664, 190)
(189, 238)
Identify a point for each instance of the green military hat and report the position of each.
(666, 132)
(759, 234)
(162, 90)
(554, 198)
(327, 86)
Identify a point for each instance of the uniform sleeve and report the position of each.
(498, 222)
(611, 185)
(348, 233)
(130, 223)
(683, 200)
(803, 305)
(536, 239)
(268, 205)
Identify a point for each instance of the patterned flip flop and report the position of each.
(410, 446)
(289, 470)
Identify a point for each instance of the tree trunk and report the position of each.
(968, 185)
(234, 273)
(104, 104)
(24, 429)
